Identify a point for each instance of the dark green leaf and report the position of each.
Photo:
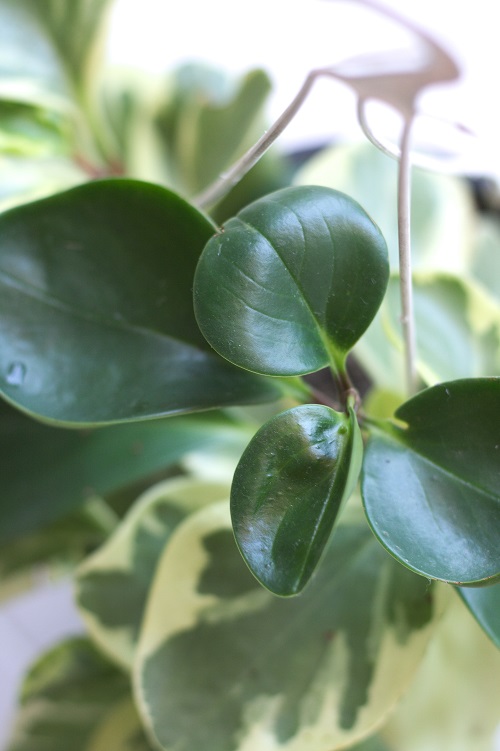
(288, 490)
(431, 489)
(291, 283)
(225, 666)
(70, 698)
(484, 604)
(96, 311)
(47, 472)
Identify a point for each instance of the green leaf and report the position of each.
(458, 332)
(27, 179)
(112, 585)
(288, 490)
(30, 69)
(48, 472)
(290, 284)
(225, 666)
(484, 604)
(453, 702)
(75, 29)
(97, 319)
(209, 122)
(31, 132)
(65, 542)
(69, 698)
(485, 263)
(431, 489)
(443, 213)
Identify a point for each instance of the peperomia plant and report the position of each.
(162, 351)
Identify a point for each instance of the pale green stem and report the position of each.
(229, 179)
(406, 288)
(404, 239)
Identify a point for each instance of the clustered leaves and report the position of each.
(124, 310)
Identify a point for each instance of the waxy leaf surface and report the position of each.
(288, 490)
(224, 665)
(96, 315)
(431, 490)
(484, 604)
(291, 283)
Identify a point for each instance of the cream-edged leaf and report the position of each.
(113, 583)
(222, 664)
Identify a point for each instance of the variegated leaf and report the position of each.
(72, 698)
(113, 583)
(224, 665)
(453, 704)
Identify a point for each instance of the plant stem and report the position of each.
(220, 187)
(404, 201)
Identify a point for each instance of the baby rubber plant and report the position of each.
(98, 328)
(288, 287)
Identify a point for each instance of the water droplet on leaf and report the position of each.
(16, 374)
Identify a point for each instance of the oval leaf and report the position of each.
(96, 311)
(225, 666)
(290, 284)
(288, 490)
(431, 490)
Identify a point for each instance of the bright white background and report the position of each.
(287, 37)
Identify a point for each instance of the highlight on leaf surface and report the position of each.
(288, 490)
(431, 490)
(96, 308)
(291, 283)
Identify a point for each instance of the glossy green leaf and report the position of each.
(442, 208)
(431, 490)
(290, 284)
(484, 604)
(48, 472)
(112, 585)
(224, 665)
(288, 490)
(69, 698)
(97, 319)
(453, 703)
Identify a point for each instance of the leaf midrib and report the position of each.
(325, 341)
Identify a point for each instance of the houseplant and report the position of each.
(100, 343)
